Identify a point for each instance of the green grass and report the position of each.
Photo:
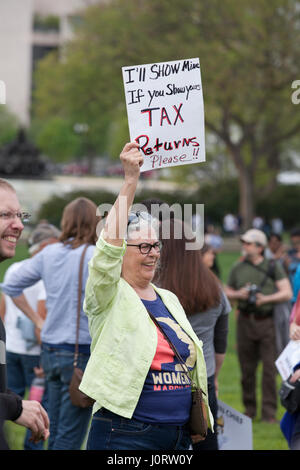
(21, 253)
(265, 436)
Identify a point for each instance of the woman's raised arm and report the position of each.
(116, 222)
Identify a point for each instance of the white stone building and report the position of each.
(29, 29)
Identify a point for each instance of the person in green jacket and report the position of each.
(142, 394)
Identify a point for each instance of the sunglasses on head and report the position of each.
(134, 217)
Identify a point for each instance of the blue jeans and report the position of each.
(20, 375)
(110, 431)
(68, 423)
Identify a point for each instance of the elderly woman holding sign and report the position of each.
(141, 390)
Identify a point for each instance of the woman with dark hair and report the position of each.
(58, 266)
(208, 255)
(199, 291)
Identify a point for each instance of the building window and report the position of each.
(49, 23)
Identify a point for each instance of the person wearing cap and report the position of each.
(256, 292)
(22, 338)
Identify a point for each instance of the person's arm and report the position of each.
(35, 418)
(10, 405)
(42, 313)
(294, 331)
(219, 358)
(28, 275)
(236, 294)
(2, 307)
(117, 219)
(283, 293)
(41, 309)
(295, 376)
(24, 306)
(27, 413)
(232, 289)
(106, 264)
(220, 339)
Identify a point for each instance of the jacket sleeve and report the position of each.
(28, 274)
(104, 275)
(10, 405)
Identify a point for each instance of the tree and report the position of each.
(9, 126)
(249, 58)
(57, 139)
(254, 115)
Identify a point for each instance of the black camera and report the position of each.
(253, 291)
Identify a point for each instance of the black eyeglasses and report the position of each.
(8, 215)
(145, 248)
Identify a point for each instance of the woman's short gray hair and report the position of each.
(139, 221)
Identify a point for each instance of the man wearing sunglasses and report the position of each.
(256, 290)
(24, 412)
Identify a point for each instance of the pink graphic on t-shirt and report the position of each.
(164, 353)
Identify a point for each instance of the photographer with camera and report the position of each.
(256, 290)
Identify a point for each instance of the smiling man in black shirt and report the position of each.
(24, 412)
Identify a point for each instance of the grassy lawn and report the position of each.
(265, 436)
(21, 253)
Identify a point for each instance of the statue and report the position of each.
(20, 158)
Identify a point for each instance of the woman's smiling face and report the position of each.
(140, 268)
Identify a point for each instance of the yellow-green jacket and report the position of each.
(124, 338)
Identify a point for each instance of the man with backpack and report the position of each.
(257, 286)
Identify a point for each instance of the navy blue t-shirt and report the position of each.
(166, 395)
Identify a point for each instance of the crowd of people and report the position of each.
(141, 295)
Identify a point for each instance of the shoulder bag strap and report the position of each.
(79, 305)
(184, 366)
(269, 273)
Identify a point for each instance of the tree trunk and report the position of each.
(246, 202)
(273, 162)
(90, 155)
(246, 187)
(91, 163)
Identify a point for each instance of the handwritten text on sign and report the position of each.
(165, 112)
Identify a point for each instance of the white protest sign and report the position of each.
(234, 429)
(288, 359)
(166, 112)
